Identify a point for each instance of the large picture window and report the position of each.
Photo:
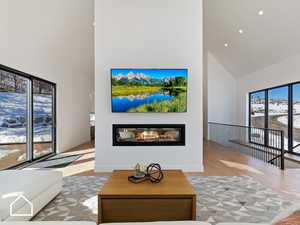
(296, 118)
(27, 118)
(257, 115)
(278, 111)
(258, 103)
(277, 108)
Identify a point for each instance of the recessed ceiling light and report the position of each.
(241, 31)
(226, 45)
(260, 12)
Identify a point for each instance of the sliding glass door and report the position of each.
(27, 118)
(43, 117)
(14, 94)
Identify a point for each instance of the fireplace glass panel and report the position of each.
(148, 134)
(127, 135)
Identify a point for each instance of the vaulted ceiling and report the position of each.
(266, 39)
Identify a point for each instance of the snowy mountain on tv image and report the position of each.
(141, 78)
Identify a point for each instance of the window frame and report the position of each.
(29, 141)
(290, 112)
(265, 115)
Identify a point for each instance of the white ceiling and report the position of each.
(266, 40)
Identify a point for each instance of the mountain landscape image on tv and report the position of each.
(149, 90)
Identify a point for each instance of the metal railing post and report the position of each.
(282, 150)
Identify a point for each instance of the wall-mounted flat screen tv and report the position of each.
(149, 90)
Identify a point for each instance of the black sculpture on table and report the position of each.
(153, 173)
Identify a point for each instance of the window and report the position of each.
(278, 112)
(27, 118)
(296, 118)
(258, 109)
(43, 132)
(257, 116)
(276, 108)
(13, 119)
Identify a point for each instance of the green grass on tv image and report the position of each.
(149, 90)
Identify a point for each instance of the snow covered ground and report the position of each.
(296, 120)
(5, 153)
(257, 109)
(274, 109)
(13, 117)
(278, 109)
(36, 154)
(281, 110)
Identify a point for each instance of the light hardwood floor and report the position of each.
(218, 161)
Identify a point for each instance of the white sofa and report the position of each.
(39, 187)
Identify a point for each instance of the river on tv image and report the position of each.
(149, 90)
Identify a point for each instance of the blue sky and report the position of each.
(155, 73)
(280, 93)
(258, 95)
(296, 92)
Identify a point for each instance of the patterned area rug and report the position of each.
(220, 199)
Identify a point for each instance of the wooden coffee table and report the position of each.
(173, 199)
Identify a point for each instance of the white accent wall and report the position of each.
(285, 72)
(54, 40)
(148, 34)
(221, 93)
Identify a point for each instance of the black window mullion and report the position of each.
(54, 118)
(266, 117)
(31, 153)
(249, 119)
(249, 110)
(29, 121)
(290, 118)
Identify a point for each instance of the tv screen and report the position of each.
(149, 90)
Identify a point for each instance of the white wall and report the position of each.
(284, 72)
(148, 34)
(221, 93)
(54, 40)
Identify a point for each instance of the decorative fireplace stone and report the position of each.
(148, 134)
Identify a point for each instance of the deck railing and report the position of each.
(263, 144)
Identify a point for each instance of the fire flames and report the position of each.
(152, 135)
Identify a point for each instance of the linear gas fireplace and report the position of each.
(148, 134)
